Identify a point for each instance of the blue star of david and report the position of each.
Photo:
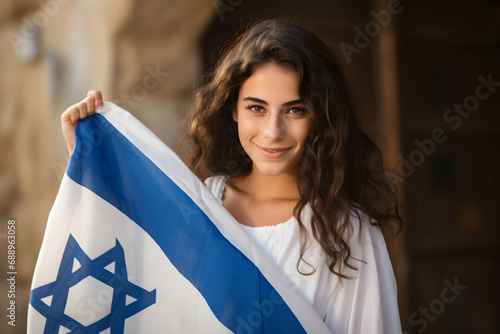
(66, 278)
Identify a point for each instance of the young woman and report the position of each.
(274, 135)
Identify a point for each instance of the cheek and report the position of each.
(247, 129)
(301, 131)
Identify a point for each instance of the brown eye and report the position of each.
(256, 108)
(296, 111)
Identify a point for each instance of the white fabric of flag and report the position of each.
(136, 243)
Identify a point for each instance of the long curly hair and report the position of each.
(341, 168)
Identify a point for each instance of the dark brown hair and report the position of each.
(341, 168)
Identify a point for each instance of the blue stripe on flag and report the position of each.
(108, 164)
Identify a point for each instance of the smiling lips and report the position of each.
(272, 152)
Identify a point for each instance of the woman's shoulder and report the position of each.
(366, 241)
(361, 229)
(362, 235)
(364, 228)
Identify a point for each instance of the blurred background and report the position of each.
(427, 79)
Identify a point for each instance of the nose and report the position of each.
(274, 128)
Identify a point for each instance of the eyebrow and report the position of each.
(286, 104)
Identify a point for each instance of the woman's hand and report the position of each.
(76, 112)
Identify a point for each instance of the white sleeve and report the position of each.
(216, 185)
(367, 303)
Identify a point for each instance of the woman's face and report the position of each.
(272, 120)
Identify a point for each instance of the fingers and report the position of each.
(93, 100)
(97, 96)
(88, 107)
(75, 113)
(72, 115)
(84, 108)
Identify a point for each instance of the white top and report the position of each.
(367, 303)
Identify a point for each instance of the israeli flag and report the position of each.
(135, 243)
